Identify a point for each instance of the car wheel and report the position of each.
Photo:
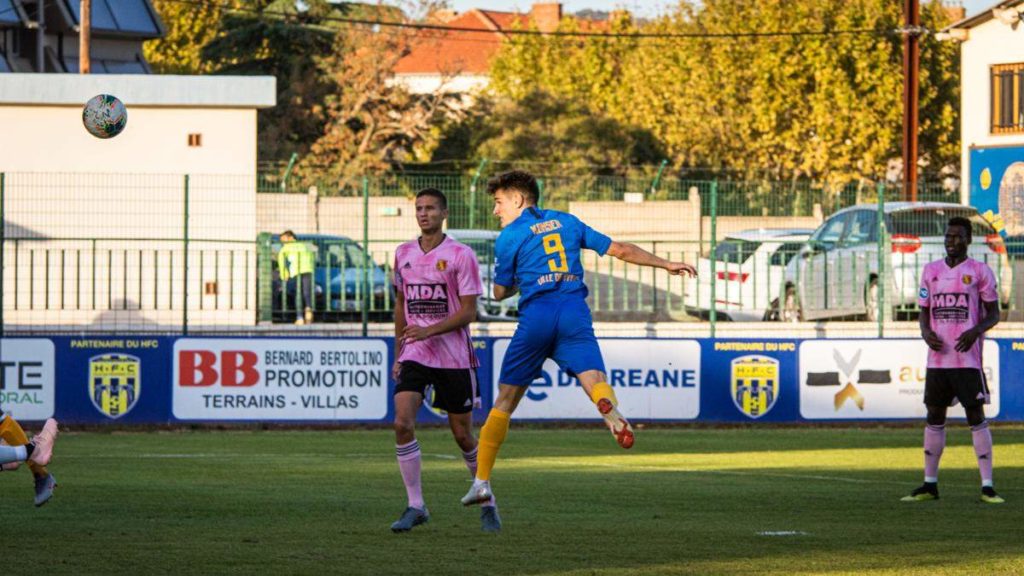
(871, 301)
(791, 311)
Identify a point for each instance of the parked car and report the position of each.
(482, 242)
(836, 272)
(749, 266)
(337, 279)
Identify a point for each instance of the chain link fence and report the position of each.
(186, 253)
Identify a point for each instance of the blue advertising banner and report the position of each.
(161, 379)
(113, 379)
(750, 380)
(997, 187)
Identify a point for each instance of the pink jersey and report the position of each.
(954, 297)
(432, 283)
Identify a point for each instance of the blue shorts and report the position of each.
(559, 328)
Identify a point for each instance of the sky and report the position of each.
(639, 7)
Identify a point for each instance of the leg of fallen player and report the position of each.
(38, 451)
(12, 434)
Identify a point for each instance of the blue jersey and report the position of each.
(540, 253)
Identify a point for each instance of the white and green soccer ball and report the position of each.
(104, 116)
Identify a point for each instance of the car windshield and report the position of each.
(785, 253)
(735, 251)
(931, 222)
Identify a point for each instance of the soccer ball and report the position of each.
(104, 116)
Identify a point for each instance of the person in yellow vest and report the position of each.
(297, 260)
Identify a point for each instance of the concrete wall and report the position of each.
(392, 218)
(988, 44)
(155, 141)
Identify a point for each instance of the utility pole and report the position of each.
(40, 36)
(912, 32)
(84, 33)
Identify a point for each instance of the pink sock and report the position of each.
(470, 459)
(409, 464)
(934, 443)
(982, 438)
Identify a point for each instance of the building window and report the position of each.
(195, 140)
(1008, 99)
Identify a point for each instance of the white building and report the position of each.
(94, 229)
(992, 113)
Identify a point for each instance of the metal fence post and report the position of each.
(657, 177)
(714, 245)
(881, 282)
(472, 193)
(288, 172)
(367, 293)
(184, 308)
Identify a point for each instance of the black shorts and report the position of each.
(943, 386)
(454, 389)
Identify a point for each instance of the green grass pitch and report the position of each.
(683, 501)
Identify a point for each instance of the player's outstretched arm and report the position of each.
(465, 315)
(629, 252)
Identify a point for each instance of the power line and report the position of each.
(557, 33)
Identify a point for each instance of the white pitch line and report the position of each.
(565, 463)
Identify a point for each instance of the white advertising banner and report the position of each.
(653, 379)
(27, 385)
(258, 379)
(851, 379)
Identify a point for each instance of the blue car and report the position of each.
(337, 280)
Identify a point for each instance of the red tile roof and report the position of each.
(465, 52)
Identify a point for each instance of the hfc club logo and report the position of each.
(114, 383)
(754, 384)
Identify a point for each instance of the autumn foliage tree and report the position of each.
(799, 107)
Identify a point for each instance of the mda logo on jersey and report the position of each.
(754, 384)
(114, 383)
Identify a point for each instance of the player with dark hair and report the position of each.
(539, 254)
(438, 282)
(959, 303)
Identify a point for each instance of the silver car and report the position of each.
(749, 267)
(482, 242)
(836, 272)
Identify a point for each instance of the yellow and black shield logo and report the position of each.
(114, 383)
(754, 384)
(442, 265)
(967, 279)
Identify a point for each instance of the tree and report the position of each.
(189, 28)
(818, 107)
(371, 123)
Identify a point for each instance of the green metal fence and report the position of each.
(180, 253)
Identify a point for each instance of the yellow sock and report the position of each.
(491, 436)
(13, 434)
(602, 390)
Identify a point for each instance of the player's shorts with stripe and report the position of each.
(552, 326)
(455, 389)
(943, 386)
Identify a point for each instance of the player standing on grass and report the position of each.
(438, 282)
(538, 253)
(959, 304)
(15, 449)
